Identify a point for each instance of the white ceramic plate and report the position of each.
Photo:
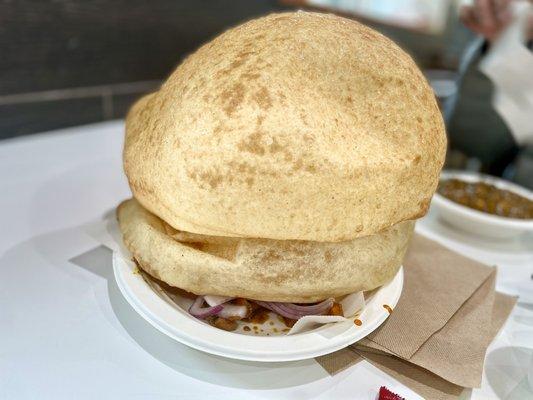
(177, 323)
(477, 222)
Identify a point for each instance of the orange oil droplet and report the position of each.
(388, 308)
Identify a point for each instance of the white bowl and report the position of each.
(477, 222)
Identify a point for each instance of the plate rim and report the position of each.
(322, 347)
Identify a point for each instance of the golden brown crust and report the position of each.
(292, 126)
(270, 270)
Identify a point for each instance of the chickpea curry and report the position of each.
(487, 198)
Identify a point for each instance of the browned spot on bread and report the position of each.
(212, 179)
(250, 76)
(417, 158)
(232, 98)
(354, 174)
(281, 39)
(205, 178)
(252, 144)
(240, 59)
(275, 147)
(298, 252)
(263, 99)
(191, 174)
(298, 164)
(310, 168)
(248, 45)
(349, 99)
(244, 55)
(250, 181)
(234, 64)
(272, 255)
(242, 167)
(287, 156)
(328, 257)
(260, 119)
(359, 228)
(304, 119)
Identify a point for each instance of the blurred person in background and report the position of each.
(481, 127)
(489, 18)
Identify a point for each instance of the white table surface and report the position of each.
(67, 333)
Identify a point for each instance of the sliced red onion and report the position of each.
(273, 306)
(295, 311)
(233, 311)
(198, 311)
(217, 300)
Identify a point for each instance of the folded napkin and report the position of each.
(436, 338)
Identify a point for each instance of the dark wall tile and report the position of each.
(121, 103)
(25, 118)
(71, 43)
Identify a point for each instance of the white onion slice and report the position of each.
(217, 300)
(233, 311)
(352, 303)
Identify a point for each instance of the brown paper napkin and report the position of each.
(461, 342)
(436, 338)
(437, 283)
(420, 380)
